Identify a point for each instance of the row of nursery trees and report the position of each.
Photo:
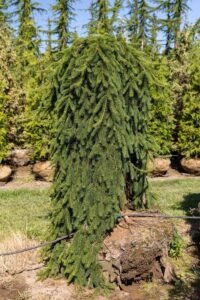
(157, 30)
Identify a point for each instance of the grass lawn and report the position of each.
(176, 197)
(26, 211)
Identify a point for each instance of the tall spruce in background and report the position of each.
(188, 122)
(37, 131)
(27, 40)
(166, 22)
(4, 76)
(179, 63)
(37, 126)
(174, 11)
(189, 128)
(49, 40)
(63, 10)
(100, 20)
(29, 71)
(102, 10)
(4, 14)
(91, 26)
(139, 23)
(27, 36)
(101, 101)
(133, 21)
(144, 19)
(180, 9)
(154, 27)
(9, 90)
(161, 123)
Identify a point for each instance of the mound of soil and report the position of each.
(137, 250)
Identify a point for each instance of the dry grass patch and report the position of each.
(15, 264)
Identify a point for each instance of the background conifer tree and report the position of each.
(133, 20)
(179, 10)
(102, 10)
(9, 90)
(161, 124)
(29, 71)
(100, 19)
(91, 26)
(3, 83)
(174, 11)
(179, 63)
(166, 22)
(4, 14)
(189, 129)
(144, 21)
(139, 22)
(154, 27)
(188, 123)
(63, 10)
(37, 131)
(27, 40)
(49, 41)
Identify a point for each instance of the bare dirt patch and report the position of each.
(174, 174)
(12, 288)
(19, 280)
(35, 184)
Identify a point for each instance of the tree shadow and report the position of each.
(182, 290)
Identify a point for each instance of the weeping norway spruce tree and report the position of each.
(101, 100)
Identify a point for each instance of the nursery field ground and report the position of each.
(26, 211)
(24, 221)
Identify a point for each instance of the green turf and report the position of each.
(176, 197)
(27, 210)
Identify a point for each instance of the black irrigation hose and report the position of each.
(136, 215)
(37, 246)
(119, 216)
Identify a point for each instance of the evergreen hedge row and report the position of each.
(161, 124)
(24, 71)
(174, 112)
(9, 94)
(189, 128)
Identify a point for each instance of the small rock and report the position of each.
(191, 166)
(5, 173)
(44, 170)
(20, 157)
(158, 166)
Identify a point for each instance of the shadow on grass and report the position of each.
(190, 290)
(190, 201)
